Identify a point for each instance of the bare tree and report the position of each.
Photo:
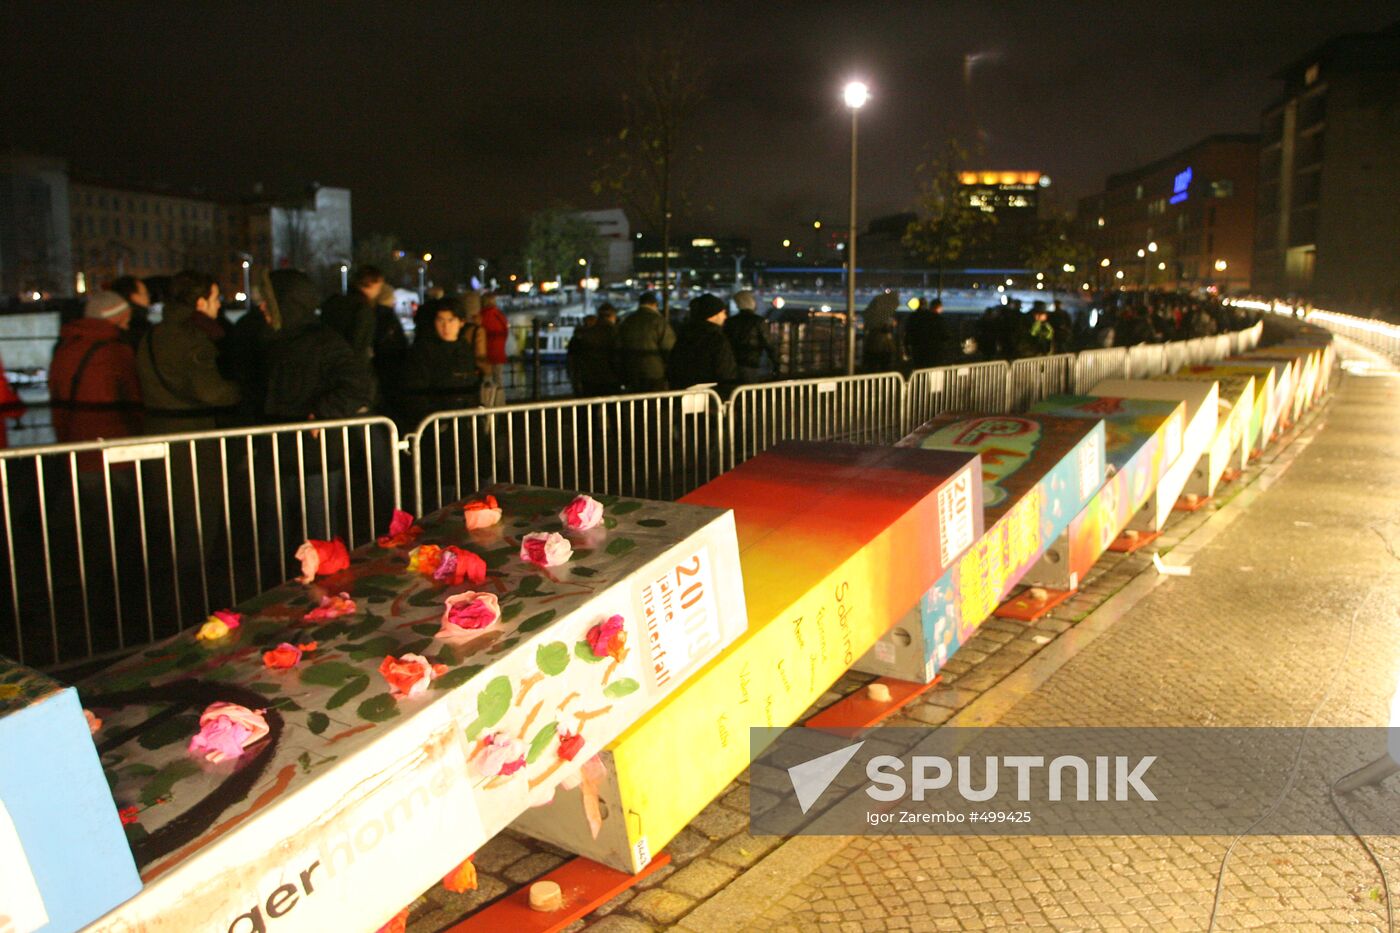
(948, 225)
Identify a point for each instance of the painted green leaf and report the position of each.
(449, 655)
(425, 628)
(353, 688)
(511, 610)
(529, 586)
(609, 522)
(585, 653)
(619, 546)
(138, 770)
(652, 522)
(317, 722)
(175, 729)
(538, 620)
(374, 648)
(541, 741)
(266, 687)
(502, 646)
(492, 703)
(164, 780)
(553, 658)
(622, 508)
(329, 673)
(583, 572)
(365, 628)
(455, 678)
(499, 556)
(379, 708)
(417, 647)
(286, 703)
(425, 598)
(620, 688)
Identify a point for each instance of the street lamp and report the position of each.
(587, 277)
(423, 277)
(247, 278)
(856, 94)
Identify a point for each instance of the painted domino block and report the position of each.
(357, 801)
(1202, 401)
(837, 541)
(1264, 418)
(1038, 473)
(1285, 387)
(63, 859)
(1142, 436)
(1241, 417)
(1313, 368)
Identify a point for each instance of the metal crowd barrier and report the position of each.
(975, 387)
(1038, 377)
(112, 544)
(658, 445)
(1147, 360)
(1094, 366)
(857, 409)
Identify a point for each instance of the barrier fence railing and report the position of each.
(115, 544)
(1147, 360)
(975, 387)
(658, 445)
(856, 409)
(1038, 377)
(112, 544)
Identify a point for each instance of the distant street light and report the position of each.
(423, 277)
(786, 243)
(1104, 263)
(1221, 265)
(427, 257)
(856, 94)
(587, 277)
(247, 278)
(345, 278)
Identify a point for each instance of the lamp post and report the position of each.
(587, 279)
(856, 94)
(247, 280)
(423, 277)
(344, 278)
(1146, 260)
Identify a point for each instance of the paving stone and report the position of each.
(531, 867)
(617, 923)
(720, 822)
(498, 853)
(744, 850)
(951, 698)
(660, 906)
(614, 904)
(687, 844)
(701, 878)
(928, 714)
(656, 877)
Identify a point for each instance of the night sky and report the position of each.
(459, 119)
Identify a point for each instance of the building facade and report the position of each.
(696, 261)
(1013, 199)
(1185, 221)
(1329, 177)
(616, 234)
(35, 244)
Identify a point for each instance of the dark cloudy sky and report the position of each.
(456, 119)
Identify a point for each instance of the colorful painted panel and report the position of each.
(1263, 420)
(373, 781)
(1202, 401)
(1241, 417)
(1284, 387)
(65, 860)
(1038, 472)
(837, 541)
(1142, 438)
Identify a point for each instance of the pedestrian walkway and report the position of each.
(1292, 602)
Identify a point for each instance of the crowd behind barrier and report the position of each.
(114, 544)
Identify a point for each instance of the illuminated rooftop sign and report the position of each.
(1003, 178)
(1181, 186)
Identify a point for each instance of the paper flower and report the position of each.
(286, 655)
(497, 753)
(402, 530)
(583, 513)
(469, 612)
(570, 744)
(93, 722)
(545, 549)
(129, 815)
(482, 513)
(607, 639)
(409, 674)
(321, 559)
(225, 730)
(424, 558)
(458, 565)
(218, 625)
(461, 879)
(332, 607)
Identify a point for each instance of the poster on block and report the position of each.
(374, 779)
(1142, 436)
(1038, 472)
(837, 541)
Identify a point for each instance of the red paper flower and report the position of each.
(469, 612)
(583, 513)
(408, 675)
(570, 744)
(459, 565)
(332, 607)
(425, 559)
(402, 530)
(286, 655)
(545, 549)
(322, 558)
(461, 879)
(482, 513)
(129, 815)
(607, 639)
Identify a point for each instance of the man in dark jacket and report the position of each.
(312, 373)
(442, 371)
(178, 361)
(702, 354)
(748, 336)
(1063, 325)
(593, 355)
(926, 335)
(93, 387)
(352, 315)
(136, 294)
(645, 340)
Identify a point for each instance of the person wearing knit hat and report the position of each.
(94, 390)
(745, 301)
(749, 338)
(702, 354)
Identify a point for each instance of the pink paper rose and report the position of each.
(321, 559)
(332, 607)
(482, 513)
(606, 639)
(545, 549)
(409, 674)
(498, 753)
(469, 612)
(225, 730)
(583, 513)
(402, 531)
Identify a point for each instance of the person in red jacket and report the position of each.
(93, 386)
(494, 322)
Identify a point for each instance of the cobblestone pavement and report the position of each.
(1252, 637)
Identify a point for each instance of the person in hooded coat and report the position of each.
(312, 373)
(178, 361)
(702, 353)
(880, 349)
(443, 372)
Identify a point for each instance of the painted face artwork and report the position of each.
(1005, 444)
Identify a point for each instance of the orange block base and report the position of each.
(585, 884)
(1025, 609)
(1191, 503)
(1230, 475)
(858, 711)
(1124, 544)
